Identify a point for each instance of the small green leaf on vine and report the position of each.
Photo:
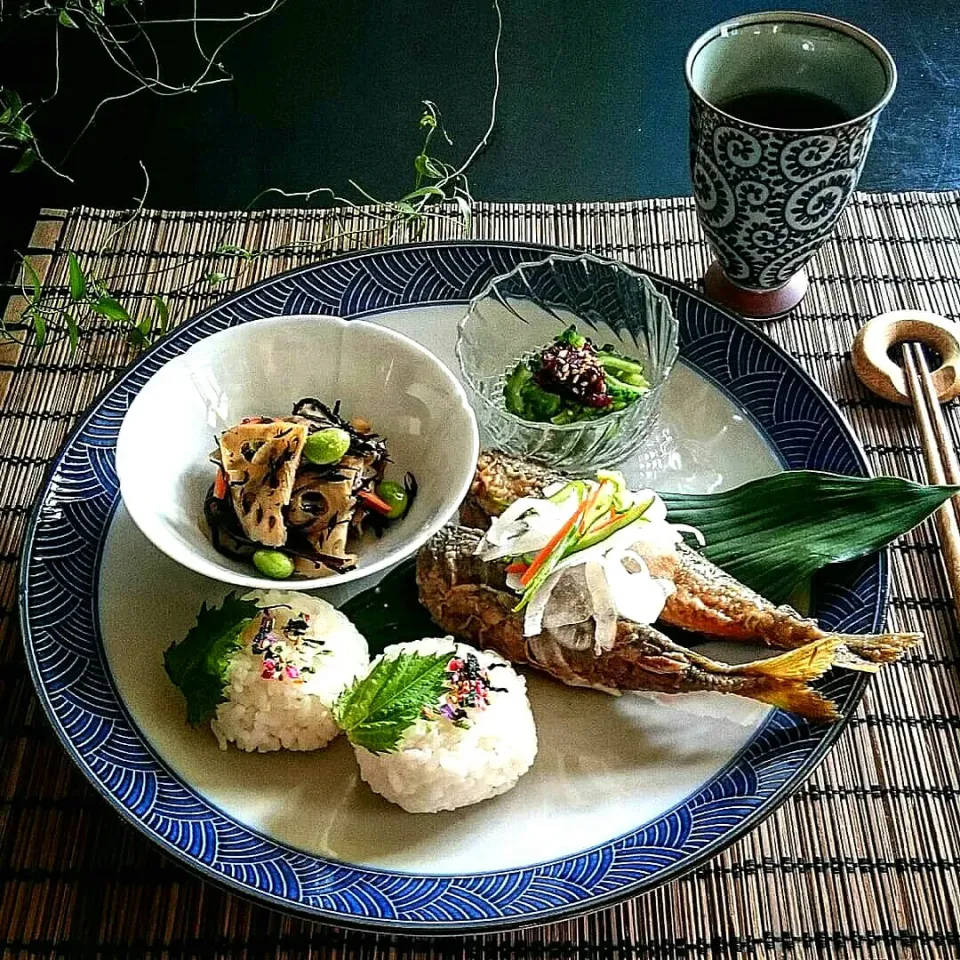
(33, 280)
(78, 282)
(26, 161)
(12, 105)
(215, 279)
(39, 327)
(162, 313)
(232, 250)
(107, 307)
(426, 167)
(12, 123)
(137, 338)
(67, 21)
(73, 330)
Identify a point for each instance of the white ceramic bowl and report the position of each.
(262, 368)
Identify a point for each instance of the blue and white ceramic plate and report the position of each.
(626, 792)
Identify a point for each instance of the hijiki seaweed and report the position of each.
(272, 491)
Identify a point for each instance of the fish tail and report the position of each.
(878, 647)
(796, 698)
(808, 662)
(782, 680)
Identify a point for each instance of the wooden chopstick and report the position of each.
(948, 454)
(940, 457)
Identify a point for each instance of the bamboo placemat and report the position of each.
(864, 861)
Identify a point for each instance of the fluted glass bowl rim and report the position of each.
(663, 371)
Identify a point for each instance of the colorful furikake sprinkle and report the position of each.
(282, 650)
(467, 686)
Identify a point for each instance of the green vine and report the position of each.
(439, 188)
(127, 36)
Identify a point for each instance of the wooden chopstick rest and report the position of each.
(923, 389)
(881, 374)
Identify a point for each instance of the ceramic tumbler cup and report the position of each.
(783, 107)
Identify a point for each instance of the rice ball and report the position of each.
(293, 663)
(474, 743)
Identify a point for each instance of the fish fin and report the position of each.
(849, 660)
(879, 647)
(797, 698)
(808, 662)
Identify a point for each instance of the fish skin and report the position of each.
(468, 597)
(707, 600)
(499, 480)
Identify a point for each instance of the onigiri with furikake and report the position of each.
(437, 725)
(265, 670)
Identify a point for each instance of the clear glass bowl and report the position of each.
(522, 311)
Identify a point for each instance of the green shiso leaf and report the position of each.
(774, 533)
(376, 711)
(198, 663)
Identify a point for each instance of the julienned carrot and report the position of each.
(221, 485)
(588, 506)
(518, 567)
(611, 518)
(373, 501)
(541, 558)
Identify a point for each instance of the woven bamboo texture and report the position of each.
(863, 861)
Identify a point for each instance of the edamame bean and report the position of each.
(327, 446)
(273, 564)
(393, 494)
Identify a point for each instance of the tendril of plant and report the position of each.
(123, 32)
(440, 192)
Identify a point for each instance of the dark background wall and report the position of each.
(593, 104)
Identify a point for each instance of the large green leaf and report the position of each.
(774, 533)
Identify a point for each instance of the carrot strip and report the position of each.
(588, 506)
(576, 520)
(221, 485)
(607, 521)
(373, 501)
(541, 558)
(518, 567)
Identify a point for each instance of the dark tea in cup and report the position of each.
(785, 109)
(782, 111)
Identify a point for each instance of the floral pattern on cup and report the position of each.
(767, 199)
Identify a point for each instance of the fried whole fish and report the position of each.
(469, 597)
(706, 599)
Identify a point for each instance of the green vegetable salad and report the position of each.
(572, 380)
